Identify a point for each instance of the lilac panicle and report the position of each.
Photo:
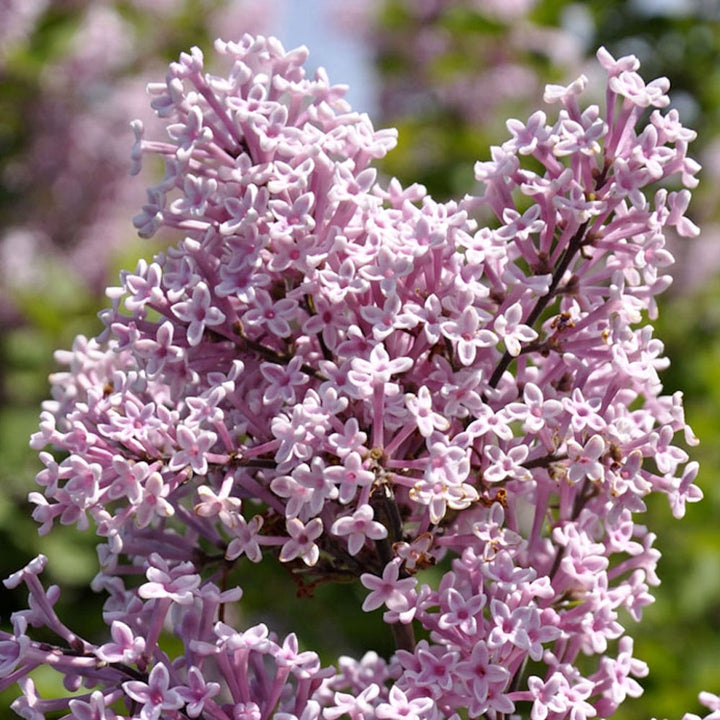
(358, 381)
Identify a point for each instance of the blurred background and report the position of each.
(447, 73)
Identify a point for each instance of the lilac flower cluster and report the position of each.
(360, 382)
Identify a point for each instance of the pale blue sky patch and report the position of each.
(319, 25)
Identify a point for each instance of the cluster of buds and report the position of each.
(352, 379)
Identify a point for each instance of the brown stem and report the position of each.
(404, 636)
(273, 355)
(575, 244)
(383, 501)
(544, 461)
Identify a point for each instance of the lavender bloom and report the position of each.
(305, 401)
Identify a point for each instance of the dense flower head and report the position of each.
(358, 381)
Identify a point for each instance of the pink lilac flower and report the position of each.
(390, 590)
(512, 331)
(156, 696)
(126, 646)
(300, 544)
(476, 405)
(198, 313)
(245, 540)
(95, 709)
(359, 527)
(197, 692)
(177, 583)
(399, 707)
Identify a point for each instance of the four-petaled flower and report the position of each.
(359, 527)
(156, 695)
(200, 312)
(197, 692)
(302, 541)
(390, 590)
